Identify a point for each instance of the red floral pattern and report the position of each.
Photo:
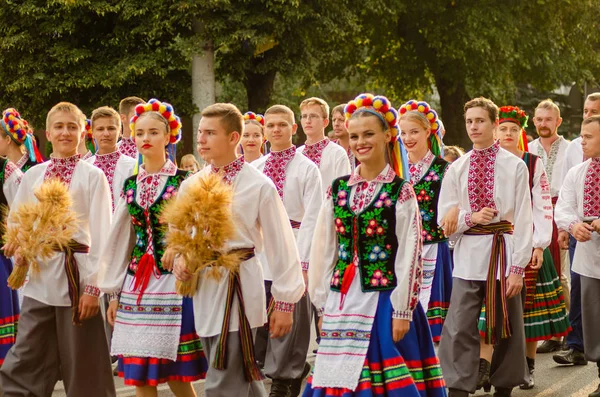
(591, 189)
(62, 168)
(417, 171)
(22, 161)
(365, 190)
(481, 177)
(127, 147)
(149, 183)
(275, 167)
(315, 151)
(229, 171)
(8, 171)
(108, 163)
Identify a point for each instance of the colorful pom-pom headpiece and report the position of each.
(89, 138)
(164, 109)
(19, 131)
(515, 115)
(250, 116)
(381, 107)
(435, 138)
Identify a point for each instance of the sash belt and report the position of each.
(497, 263)
(72, 271)
(295, 224)
(251, 370)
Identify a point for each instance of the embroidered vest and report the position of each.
(428, 194)
(140, 226)
(371, 235)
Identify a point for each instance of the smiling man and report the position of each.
(490, 187)
(578, 211)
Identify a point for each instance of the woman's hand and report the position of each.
(111, 313)
(537, 259)
(450, 222)
(399, 329)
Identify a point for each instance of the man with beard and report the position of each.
(550, 147)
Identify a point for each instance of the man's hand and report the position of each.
(483, 217)
(19, 260)
(111, 313)
(168, 259)
(537, 259)
(88, 306)
(514, 283)
(10, 249)
(305, 276)
(399, 329)
(450, 221)
(582, 232)
(596, 225)
(180, 271)
(563, 240)
(280, 324)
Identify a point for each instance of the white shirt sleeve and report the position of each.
(449, 199)
(11, 185)
(523, 219)
(280, 247)
(542, 208)
(408, 265)
(323, 256)
(117, 251)
(312, 200)
(566, 211)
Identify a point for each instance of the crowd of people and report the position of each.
(426, 270)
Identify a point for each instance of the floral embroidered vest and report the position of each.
(138, 219)
(428, 194)
(370, 235)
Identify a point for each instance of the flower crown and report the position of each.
(164, 109)
(378, 105)
(14, 126)
(514, 114)
(424, 108)
(88, 129)
(248, 116)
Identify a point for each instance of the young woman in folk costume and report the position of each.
(154, 334)
(365, 272)
(10, 177)
(87, 146)
(17, 143)
(421, 137)
(253, 138)
(545, 314)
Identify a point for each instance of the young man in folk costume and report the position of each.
(365, 272)
(331, 159)
(578, 211)
(60, 312)
(490, 188)
(154, 335)
(10, 178)
(298, 184)
(551, 147)
(226, 328)
(545, 314)
(338, 122)
(17, 142)
(574, 156)
(421, 138)
(126, 111)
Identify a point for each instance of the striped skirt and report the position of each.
(546, 316)
(441, 290)
(408, 368)
(9, 309)
(191, 364)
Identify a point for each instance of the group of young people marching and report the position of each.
(356, 231)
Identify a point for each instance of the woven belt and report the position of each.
(251, 370)
(295, 224)
(497, 263)
(72, 270)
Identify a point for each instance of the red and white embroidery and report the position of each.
(127, 147)
(62, 168)
(148, 184)
(481, 177)
(230, 171)
(417, 171)
(315, 151)
(87, 155)
(22, 161)
(365, 190)
(108, 164)
(591, 189)
(9, 169)
(407, 193)
(276, 165)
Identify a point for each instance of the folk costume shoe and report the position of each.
(502, 392)
(296, 384)
(483, 378)
(530, 382)
(570, 357)
(549, 346)
(280, 388)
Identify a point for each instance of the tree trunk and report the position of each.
(453, 96)
(203, 83)
(259, 88)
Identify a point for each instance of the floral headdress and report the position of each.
(381, 107)
(515, 115)
(19, 131)
(435, 138)
(89, 138)
(249, 116)
(164, 109)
